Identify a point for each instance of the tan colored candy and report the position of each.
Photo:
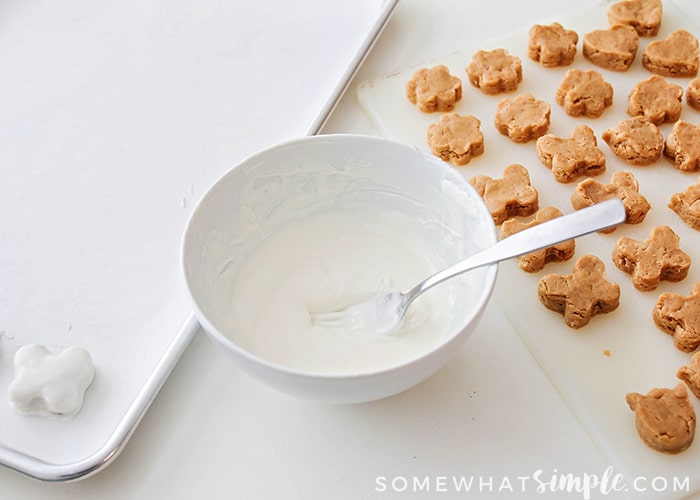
(581, 295)
(510, 196)
(664, 418)
(622, 185)
(522, 118)
(612, 49)
(643, 15)
(495, 71)
(573, 157)
(657, 99)
(655, 259)
(584, 93)
(687, 205)
(692, 94)
(552, 45)
(683, 146)
(679, 316)
(636, 140)
(675, 56)
(434, 89)
(535, 261)
(456, 138)
(690, 374)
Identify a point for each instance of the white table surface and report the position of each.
(489, 414)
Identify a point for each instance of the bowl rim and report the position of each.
(212, 331)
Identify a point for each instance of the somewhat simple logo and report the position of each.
(606, 483)
(539, 482)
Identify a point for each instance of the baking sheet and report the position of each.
(116, 119)
(593, 383)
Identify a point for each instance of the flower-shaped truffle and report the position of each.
(552, 45)
(495, 71)
(434, 89)
(50, 385)
(522, 118)
(456, 138)
(584, 93)
(657, 99)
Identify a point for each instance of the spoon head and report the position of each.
(381, 315)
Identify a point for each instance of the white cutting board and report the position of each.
(640, 356)
(115, 119)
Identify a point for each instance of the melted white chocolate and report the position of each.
(51, 385)
(324, 262)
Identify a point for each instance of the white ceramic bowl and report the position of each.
(296, 179)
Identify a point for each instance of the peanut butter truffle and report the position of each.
(674, 56)
(692, 94)
(456, 138)
(658, 258)
(535, 261)
(581, 295)
(623, 185)
(679, 316)
(495, 71)
(683, 146)
(584, 93)
(690, 374)
(552, 45)
(612, 49)
(643, 15)
(665, 418)
(434, 89)
(687, 205)
(523, 118)
(657, 99)
(571, 157)
(509, 196)
(636, 141)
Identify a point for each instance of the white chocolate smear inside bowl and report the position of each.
(322, 263)
(322, 236)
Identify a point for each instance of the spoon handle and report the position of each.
(587, 220)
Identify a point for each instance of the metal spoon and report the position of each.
(383, 315)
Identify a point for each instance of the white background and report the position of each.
(490, 413)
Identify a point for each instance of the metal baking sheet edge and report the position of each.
(52, 472)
